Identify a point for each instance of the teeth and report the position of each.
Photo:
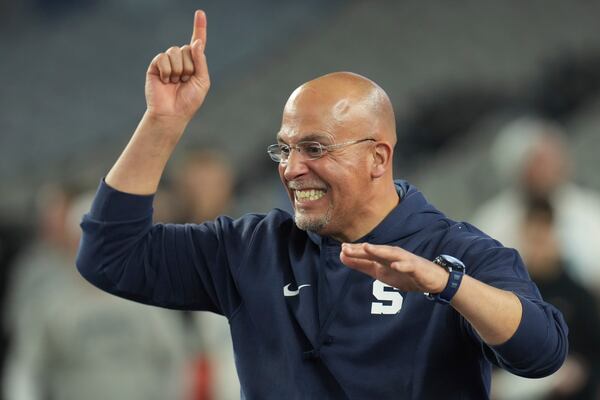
(312, 194)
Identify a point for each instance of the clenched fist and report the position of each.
(177, 80)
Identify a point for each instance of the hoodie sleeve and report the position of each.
(167, 265)
(540, 345)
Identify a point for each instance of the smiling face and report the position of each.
(324, 192)
(335, 194)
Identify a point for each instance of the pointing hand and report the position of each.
(177, 80)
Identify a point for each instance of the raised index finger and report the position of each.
(199, 27)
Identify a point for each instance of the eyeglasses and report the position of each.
(312, 150)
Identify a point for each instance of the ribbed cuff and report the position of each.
(529, 337)
(113, 205)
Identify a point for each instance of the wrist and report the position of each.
(169, 122)
(443, 281)
(455, 271)
(167, 130)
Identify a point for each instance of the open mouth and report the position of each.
(308, 195)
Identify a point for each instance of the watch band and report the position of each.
(457, 270)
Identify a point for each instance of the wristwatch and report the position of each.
(456, 269)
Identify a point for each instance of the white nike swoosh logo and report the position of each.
(289, 293)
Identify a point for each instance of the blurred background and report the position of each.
(498, 116)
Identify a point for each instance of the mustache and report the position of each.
(301, 185)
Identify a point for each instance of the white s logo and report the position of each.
(390, 296)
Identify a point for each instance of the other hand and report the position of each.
(395, 266)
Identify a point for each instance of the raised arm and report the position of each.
(121, 251)
(177, 82)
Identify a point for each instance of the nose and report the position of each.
(295, 166)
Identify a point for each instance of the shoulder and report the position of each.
(460, 233)
(476, 249)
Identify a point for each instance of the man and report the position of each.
(305, 326)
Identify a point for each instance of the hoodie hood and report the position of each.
(412, 214)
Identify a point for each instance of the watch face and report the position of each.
(451, 263)
(451, 259)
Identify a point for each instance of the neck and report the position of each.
(377, 208)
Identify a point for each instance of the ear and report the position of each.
(382, 158)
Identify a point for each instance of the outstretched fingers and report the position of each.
(373, 259)
(388, 254)
(380, 253)
(365, 266)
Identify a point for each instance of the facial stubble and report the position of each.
(314, 223)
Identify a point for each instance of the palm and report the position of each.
(174, 99)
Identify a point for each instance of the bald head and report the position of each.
(343, 100)
(350, 190)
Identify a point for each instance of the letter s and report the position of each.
(393, 296)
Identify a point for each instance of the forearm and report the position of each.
(140, 166)
(494, 313)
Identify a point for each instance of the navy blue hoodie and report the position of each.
(304, 326)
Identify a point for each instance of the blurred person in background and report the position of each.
(13, 238)
(203, 186)
(198, 170)
(579, 377)
(39, 267)
(532, 157)
(70, 342)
